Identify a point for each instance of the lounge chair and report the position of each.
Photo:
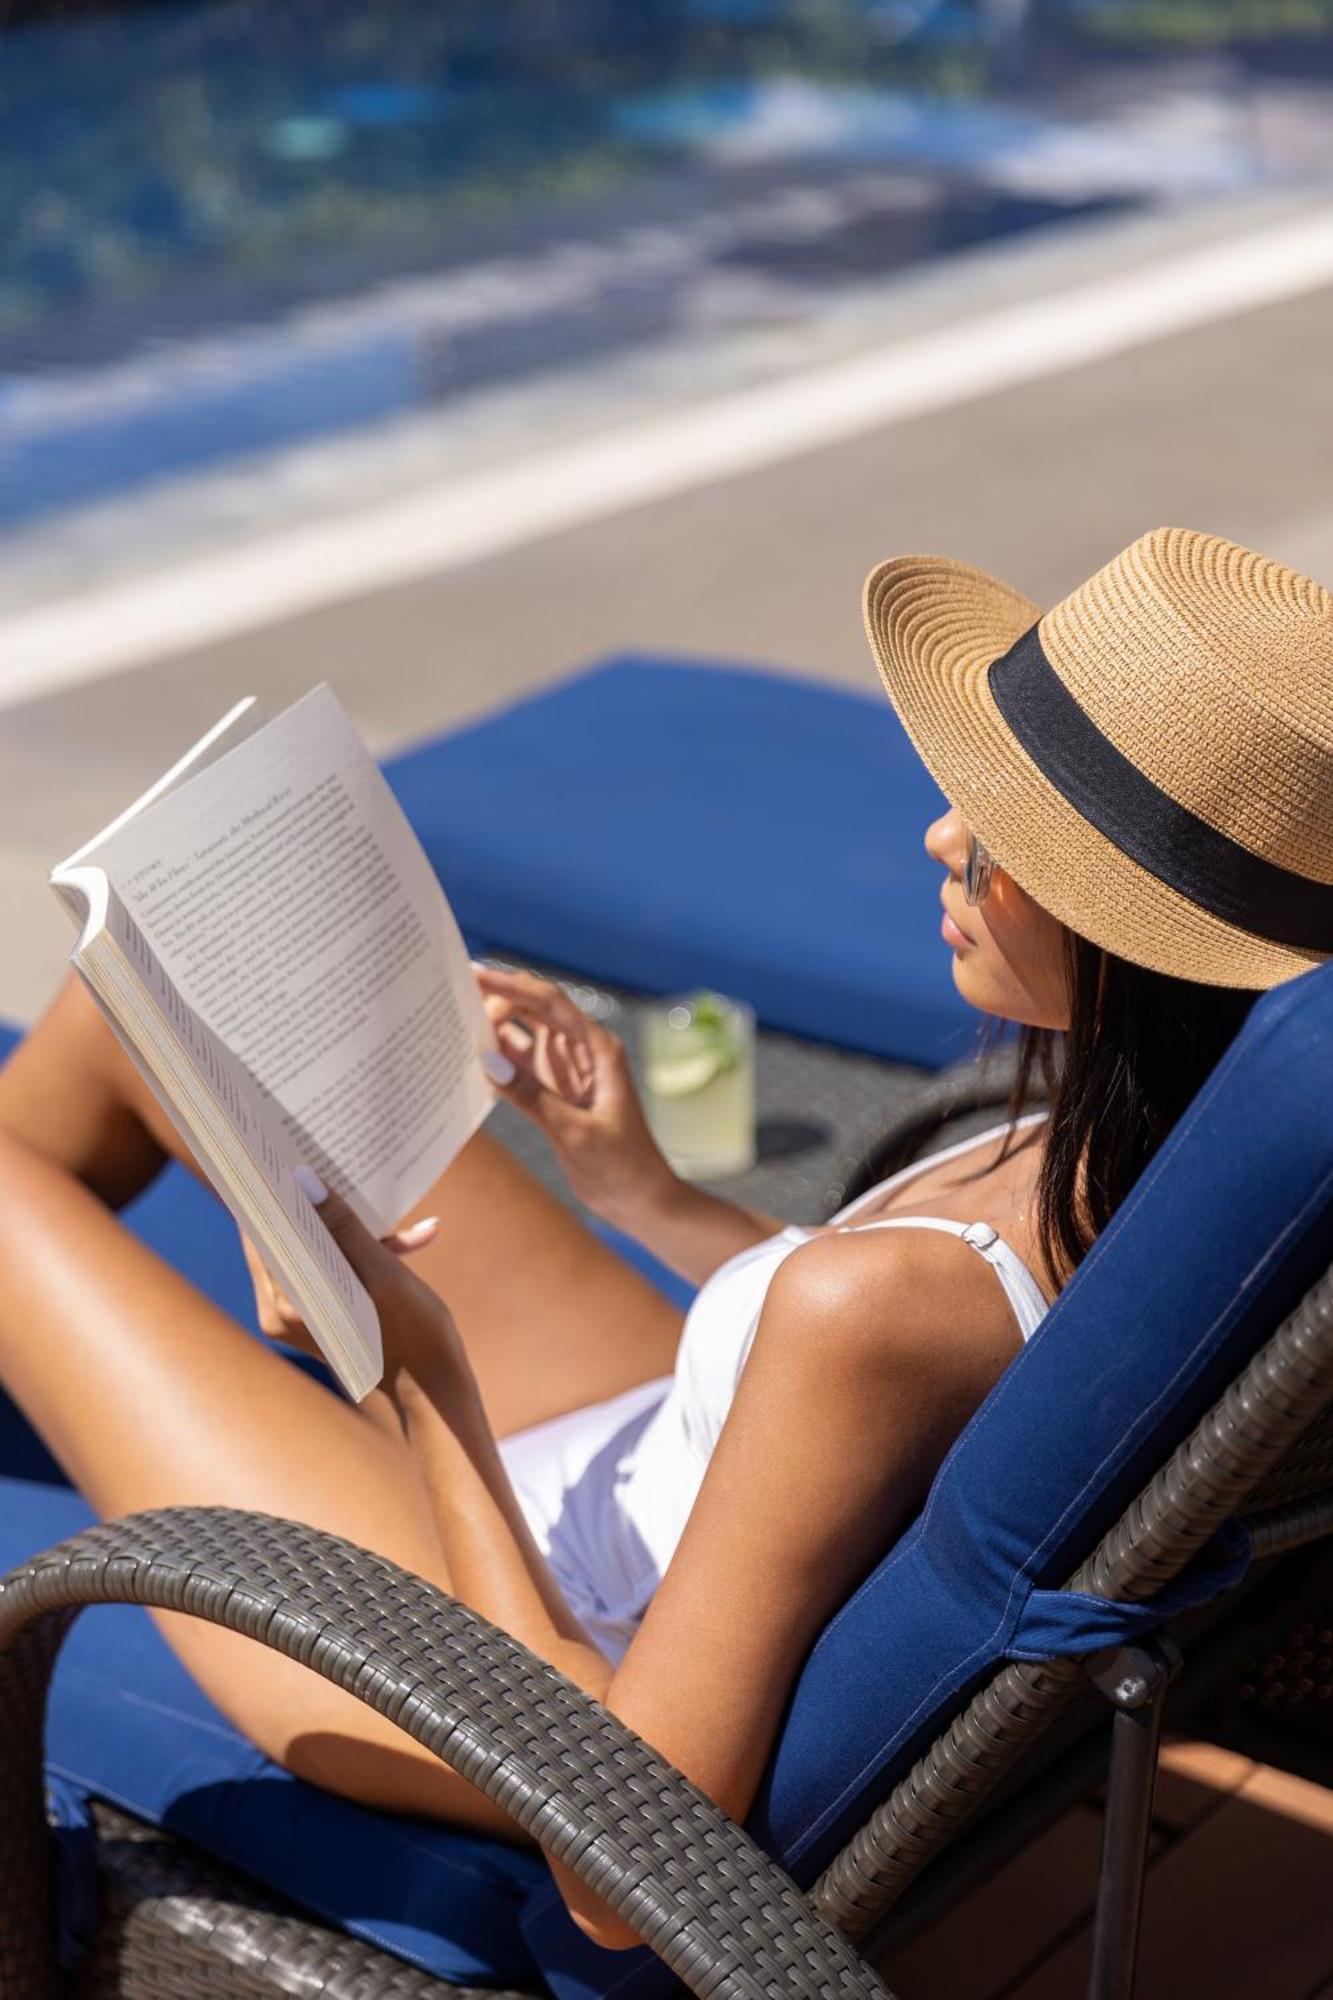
(954, 1702)
(1148, 1483)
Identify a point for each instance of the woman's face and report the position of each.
(1008, 952)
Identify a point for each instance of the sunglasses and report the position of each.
(977, 872)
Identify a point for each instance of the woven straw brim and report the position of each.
(935, 625)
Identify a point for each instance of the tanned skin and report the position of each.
(871, 1353)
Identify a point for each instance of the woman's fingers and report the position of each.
(562, 1060)
(373, 1261)
(520, 1045)
(523, 1086)
(521, 1041)
(415, 1323)
(255, 1264)
(415, 1236)
(543, 1072)
(566, 1066)
(552, 1062)
(278, 1316)
(551, 1034)
(540, 1000)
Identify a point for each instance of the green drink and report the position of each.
(698, 1064)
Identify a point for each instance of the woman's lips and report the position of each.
(951, 934)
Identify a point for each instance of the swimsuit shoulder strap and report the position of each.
(1021, 1288)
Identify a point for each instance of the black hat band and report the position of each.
(1171, 842)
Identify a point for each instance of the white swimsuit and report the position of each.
(607, 1490)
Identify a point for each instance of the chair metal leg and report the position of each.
(1135, 1680)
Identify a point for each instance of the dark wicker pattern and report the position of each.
(1290, 1527)
(27, 1918)
(722, 1915)
(1227, 1465)
(175, 1924)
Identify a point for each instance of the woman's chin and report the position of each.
(964, 979)
(1005, 999)
(972, 984)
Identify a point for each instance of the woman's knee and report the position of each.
(71, 1093)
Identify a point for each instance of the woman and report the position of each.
(1143, 765)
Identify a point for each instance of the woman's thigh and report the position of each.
(552, 1318)
(150, 1397)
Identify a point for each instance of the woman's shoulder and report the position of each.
(893, 1295)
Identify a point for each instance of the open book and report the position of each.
(268, 940)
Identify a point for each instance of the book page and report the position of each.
(206, 1091)
(292, 906)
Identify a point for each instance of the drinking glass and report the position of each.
(698, 1073)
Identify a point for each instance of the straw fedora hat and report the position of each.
(1151, 760)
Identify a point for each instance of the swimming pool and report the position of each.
(235, 227)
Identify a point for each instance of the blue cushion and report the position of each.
(1227, 1228)
(666, 826)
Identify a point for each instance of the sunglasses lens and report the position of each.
(976, 872)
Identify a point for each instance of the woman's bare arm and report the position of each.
(571, 1076)
(871, 1355)
(693, 1232)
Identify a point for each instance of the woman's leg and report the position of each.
(150, 1397)
(552, 1319)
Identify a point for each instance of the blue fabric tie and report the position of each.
(1055, 1623)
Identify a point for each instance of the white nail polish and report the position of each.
(497, 1067)
(417, 1232)
(310, 1184)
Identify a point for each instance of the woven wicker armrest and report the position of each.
(721, 1914)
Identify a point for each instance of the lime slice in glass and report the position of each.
(713, 1025)
(683, 1075)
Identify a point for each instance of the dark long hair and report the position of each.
(1138, 1046)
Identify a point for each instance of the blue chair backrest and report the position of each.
(1223, 1233)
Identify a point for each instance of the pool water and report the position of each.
(238, 226)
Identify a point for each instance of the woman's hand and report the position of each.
(277, 1314)
(572, 1078)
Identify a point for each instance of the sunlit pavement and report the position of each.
(1222, 427)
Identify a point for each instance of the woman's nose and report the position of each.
(946, 840)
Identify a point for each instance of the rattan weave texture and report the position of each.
(174, 1925)
(716, 1909)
